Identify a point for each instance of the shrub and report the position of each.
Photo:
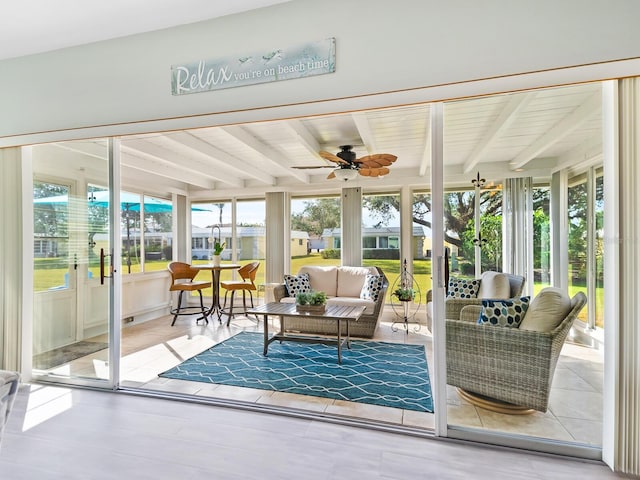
(381, 253)
(331, 253)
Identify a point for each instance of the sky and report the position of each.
(253, 212)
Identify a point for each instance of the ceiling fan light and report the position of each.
(345, 174)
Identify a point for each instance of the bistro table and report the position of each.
(215, 281)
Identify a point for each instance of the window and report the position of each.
(156, 233)
(381, 224)
(250, 243)
(370, 242)
(315, 225)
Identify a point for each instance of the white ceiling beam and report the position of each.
(138, 161)
(164, 156)
(426, 153)
(556, 133)
(298, 131)
(509, 113)
(584, 154)
(145, 163)
(270, 155)
(364, 130)
(90, 149)
(219, 160)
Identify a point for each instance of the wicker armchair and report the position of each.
(506, 364)
(9, 382)
(453, 306)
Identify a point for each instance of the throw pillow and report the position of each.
(297, 284)
(547, 310)
(372, 287)
(503, 313)
(494, 285)
(462, 288)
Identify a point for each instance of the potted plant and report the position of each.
(404, 294)
(312, 302)
(217, 251)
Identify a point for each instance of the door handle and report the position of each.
(439, 272)
(102, 257)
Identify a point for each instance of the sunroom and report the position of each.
(520, 188)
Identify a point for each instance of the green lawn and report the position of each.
(46, 277)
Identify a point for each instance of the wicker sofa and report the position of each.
(512, 365)
(343, 286)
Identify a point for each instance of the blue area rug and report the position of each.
(387, 374)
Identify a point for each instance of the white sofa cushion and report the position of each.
(547, 310)
(494, 285)
(351, 280)
(323, 279)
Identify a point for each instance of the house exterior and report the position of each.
(375, 240)
(250, 243)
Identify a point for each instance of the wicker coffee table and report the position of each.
(340, 314)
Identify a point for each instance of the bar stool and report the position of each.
(182, 275)
(248, 274)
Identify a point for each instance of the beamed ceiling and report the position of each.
(531, 133)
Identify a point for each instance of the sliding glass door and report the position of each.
(498, 216)
(72, 262)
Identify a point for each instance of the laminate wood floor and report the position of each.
(65, 433)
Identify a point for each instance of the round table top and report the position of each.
(222, 266)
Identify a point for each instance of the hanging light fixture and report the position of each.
(345, 173)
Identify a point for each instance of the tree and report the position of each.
(491, 229)
(317, 215)
(49, 220)
(458, 210)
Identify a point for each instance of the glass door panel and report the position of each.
(482, 365)
(71, 302)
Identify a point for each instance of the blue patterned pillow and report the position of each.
(462, 288)
(297, 284)
(372, 287)
(504, 313)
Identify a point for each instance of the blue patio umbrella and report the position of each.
(129, 202)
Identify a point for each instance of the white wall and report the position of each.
(381, 46)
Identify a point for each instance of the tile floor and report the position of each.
(152, 347)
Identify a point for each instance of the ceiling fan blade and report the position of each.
(377, 160)
(331, 175)
(373, 172)
(331, 157)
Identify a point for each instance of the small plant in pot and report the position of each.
(218, 247)
(404, 294)
(311, 301)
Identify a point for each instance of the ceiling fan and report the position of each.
(348, 166)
